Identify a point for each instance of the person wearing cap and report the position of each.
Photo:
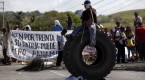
(57, 26)
(137, 20)
(86, 19)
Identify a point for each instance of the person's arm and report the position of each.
(58, 40)
(82, 18)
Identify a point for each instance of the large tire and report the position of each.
(66, 55)
(104, 63)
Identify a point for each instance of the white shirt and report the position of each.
(61, 39)
(138, 20)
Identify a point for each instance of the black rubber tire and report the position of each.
(101, 67)
(66, 55)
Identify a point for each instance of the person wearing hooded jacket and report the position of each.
(57, 26)
(27, 28)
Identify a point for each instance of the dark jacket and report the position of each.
(86, 15)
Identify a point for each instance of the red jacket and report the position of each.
(140, 34)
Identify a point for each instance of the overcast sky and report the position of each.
(103, 7)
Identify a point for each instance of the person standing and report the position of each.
(6, 59)
(140, 40)
(69, 22)
(137, 20)
(61, 43)
(119, 39)
(57, 26)
(130, 42)
(115, 30)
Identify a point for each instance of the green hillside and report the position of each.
(126, 18)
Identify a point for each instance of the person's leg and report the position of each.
(128, 48)
(69, 26)
(92, 36)
(4, 54)
(140, 48)
(77, 30)
(118, 55)
(118, 51)
(123, 54)
(132, 51)
(59, 58)
(5, 57)
(74, 33)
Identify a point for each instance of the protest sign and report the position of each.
(27, 45)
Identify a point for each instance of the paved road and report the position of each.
(9, 73)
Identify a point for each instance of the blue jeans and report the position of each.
(91, 31)
(130, 49)
(77, 30)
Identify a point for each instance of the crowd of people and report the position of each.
(7, 60)
(134, 41)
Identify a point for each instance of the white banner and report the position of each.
(27, 45)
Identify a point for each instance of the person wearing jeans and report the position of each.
(61, 43)
(88, 17)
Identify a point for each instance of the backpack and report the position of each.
(114, 33)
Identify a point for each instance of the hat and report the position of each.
(86, 2)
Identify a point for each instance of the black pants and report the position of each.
(59, 58)
(6, 58)
(121, 52)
